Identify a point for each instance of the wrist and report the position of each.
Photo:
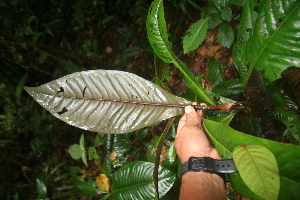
(199, 185)
(212, 153)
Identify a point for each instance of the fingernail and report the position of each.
(188, 109)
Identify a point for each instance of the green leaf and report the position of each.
(171, 153)
(195, 35)
(121, 143)
(85, 186)
(248, 19)
(224, 117)
(226, 14)
(76, 151)
(134, 181)
(41, 185)
(42, 58)
(220, 3)
(274, 45)
(19, 87)
(258, 168)
(225, 139)
(291, 122)
(238, 3)
(125, 33)
(158, 38)
(151, 149)
(131, 51)
(84, 158)
(157, 32)
(229, 87)
(215, 74)
(81, 142)
(213, 22)
(225, 35)
(88, 188)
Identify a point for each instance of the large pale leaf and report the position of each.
(107, 101)
(225, 139)
(134, 181)
(258, 168)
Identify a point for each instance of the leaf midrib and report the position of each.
(114, 100)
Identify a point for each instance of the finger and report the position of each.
(181, 123)
(192, 118)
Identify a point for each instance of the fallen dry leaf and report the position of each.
(103, 182)
(113, 155)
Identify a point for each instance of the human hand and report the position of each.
(191, 139)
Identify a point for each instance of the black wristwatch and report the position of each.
(210, 165)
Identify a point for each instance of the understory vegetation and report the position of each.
(245, 53)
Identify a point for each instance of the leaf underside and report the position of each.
(225, 139)
(258, 168)
(107, 101)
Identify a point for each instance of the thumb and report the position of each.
(192, 118)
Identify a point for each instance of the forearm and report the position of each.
(202, 186)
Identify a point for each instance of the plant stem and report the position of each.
(158, 152)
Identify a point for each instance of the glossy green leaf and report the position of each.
(229, 87)
(225, 139)
(226, 13)
(214, 22)
(285, 112)
(107, 101)
(292, 123)
(131, 51)
(273, 45)
(258, 168)
(195, 35)
(134, 181)
(121, 143)
(220, 3)
(158, 38)
(249, 16)
(41, 185)
(157, 32)
(171, 153)
(225, 35)
(151, 149)
(224, 117)
(214, 73)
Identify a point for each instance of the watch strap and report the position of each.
(208, 164)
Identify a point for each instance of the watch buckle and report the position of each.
(206, 164)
